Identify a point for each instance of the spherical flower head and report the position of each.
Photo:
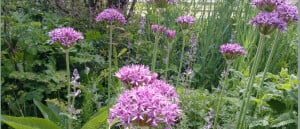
(185, 21)
(143, 106)
(66, 36)
(232, 50)
(135, 75)
(171, 34)
(165, 89)
(267, 5)
(288, 12)
(267, 22)
(157, 29)
(111, 15)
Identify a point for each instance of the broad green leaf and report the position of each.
(48, 113)
(28, 122)
(97, 119)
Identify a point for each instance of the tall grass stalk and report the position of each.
(154, 58)
(220, 97)
(185, 33)
(170, 42)
(267, 66)
(249, 87)
(298, 68)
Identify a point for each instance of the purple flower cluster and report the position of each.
(149, 101)
(189, 20)
(267, 5)
(267, 22)
(144, 106)
(288, 12)
(66, 36)
(157, 28)
(276, 15)
(171, 34)
(111, 15)
(166, 90)
(135, 75)
(232, 50)
(172, 1)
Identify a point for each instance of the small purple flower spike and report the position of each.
(111, 15)
(66, 36)
(156, 28)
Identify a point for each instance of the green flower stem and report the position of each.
(220, 97)
(168, 57)
(69, 87)
(110, 62)
(247, 95)
(181, 60)
(155, 51)
(268, 65)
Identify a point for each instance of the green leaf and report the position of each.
(28, 122)
(97, 119)
(48, 113)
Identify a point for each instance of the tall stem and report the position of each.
(155, 51)
(268, 65)
(168, 57)
(109, 61)
(220, 97)
(247, 95)
(181, 60)
(69, 88)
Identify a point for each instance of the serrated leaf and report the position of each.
(28, 122)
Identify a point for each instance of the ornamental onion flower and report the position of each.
(232, 50)
(165, 89)
(267, 5)
(135, 75)
(171, 34)
(66, 36)
(185, 21)
(288, 12)
(111, 15)
(144, 106)
(267, 22)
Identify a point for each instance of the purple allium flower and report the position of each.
(288, 12)
(111, 15)
(66, 36)
(165, 89)
(143, 106)
(135, 75)
(232, 50)
(267, 22)
(171, 34)
(267, 5)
